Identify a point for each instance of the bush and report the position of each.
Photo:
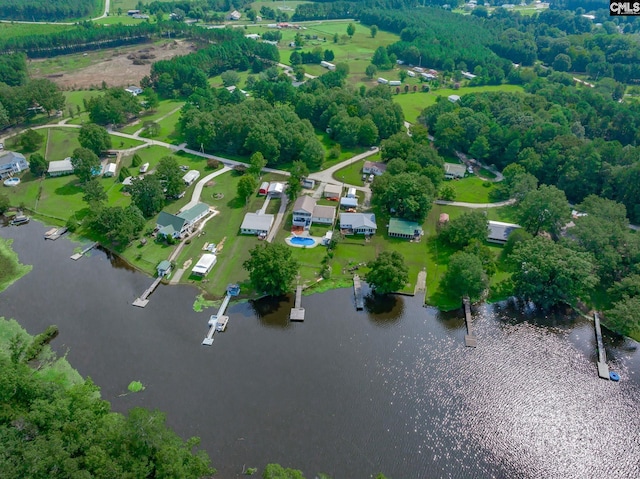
(72, 224)
(240, 169)
(136, 161)
(335, 152)
(213, 164)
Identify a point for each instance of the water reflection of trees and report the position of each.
(384, 310)
(115, 260)
(273, 311)
(451, 320)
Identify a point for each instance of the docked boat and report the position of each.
(20, 220)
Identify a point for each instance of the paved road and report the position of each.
(197, 191)
(278, 219)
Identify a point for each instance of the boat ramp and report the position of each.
(603, 367)
(297, 312)
(79, 255)
(143, 300)
(470, 339)
(357, 291)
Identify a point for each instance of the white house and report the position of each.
(428, 76)
(411, 74)
(499, 232)
(332, 191)
(109, 170)
(59, 168)
(206, 262)
(256, 224)
(303, 211)
(327, 65)
(358, 223)
(454, 170)
(374, 168)
(395, 83)
(235, 16)
(468, 75)
(276, 189)
(134, 90)
(12, 163)
(252, 36)
(383, 81)
(190, 177)
(453, 98)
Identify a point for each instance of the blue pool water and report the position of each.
(302, 241)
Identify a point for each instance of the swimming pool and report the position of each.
(12, 182)
(299, 241)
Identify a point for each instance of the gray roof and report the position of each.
(455, 169)
(169, 223)
(10, 157)
(344, 201)
(499, 231)
(193, 212)
(164, 265)
(358, 220)
(58, 166)
(304, 203)
(369, 165)
(321, 211)
(337, 189)
(257, 221)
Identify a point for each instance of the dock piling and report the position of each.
(297, 312)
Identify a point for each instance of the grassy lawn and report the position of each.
(75, 100)
(164, 108)
(13, 30)
(167, 131)
(62, 142)
(472, 189)
(11, 270)
(413, 103)
(352, 173)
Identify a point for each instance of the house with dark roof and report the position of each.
(11, 163)
(499, 232)
(399, 228)
(358, 223)
(374, 168)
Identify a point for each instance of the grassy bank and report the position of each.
(11, 270)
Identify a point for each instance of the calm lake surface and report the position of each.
(347, 393)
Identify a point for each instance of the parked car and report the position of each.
(371, 177)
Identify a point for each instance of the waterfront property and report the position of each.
(60, 168)
(179, 225)
(358, 223)
(454, 170)
(323, 214)
(332, 191)
(374, 168)
(11, 163)
(204, 265)
(499, 232)
(257, 224)
(399, 228)
(164, 268)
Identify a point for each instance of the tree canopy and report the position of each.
(408, 196)
(94, 138)
(388, 272)
(544, 209)
(85, 164)
(271, 268)
(464, 229)
(465, 276)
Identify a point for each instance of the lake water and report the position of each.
(348, 393)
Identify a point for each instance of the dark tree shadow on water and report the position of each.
(384, 310)
(273, 311)
(451, 320)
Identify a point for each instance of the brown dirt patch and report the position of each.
(117, 67)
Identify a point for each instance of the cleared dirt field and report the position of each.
(116, 66)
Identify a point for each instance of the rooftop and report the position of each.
(455, 169)
(304, 203)
(257, 221)
(195, 211)
(321, 211)
(358, 220)
(8, 157)
(62, 165)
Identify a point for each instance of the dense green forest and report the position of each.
(50, 11)
(52, 427)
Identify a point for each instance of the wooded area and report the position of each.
(50, 11)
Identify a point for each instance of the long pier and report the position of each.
(297, 312)
(470, 339)
(142, 301)
(216, 319)
(603, 367)
(79, 255)
(357, 291)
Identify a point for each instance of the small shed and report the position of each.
(453, 98)
(276, 189)
(326, 239)
(144, 167)
(308, 183)
(351, 193)
(109, 170)
(264, 188)
(347, 203)
(164, 268)
(190, 177)
(206, 262)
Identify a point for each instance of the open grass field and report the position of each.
(168, 130)
(124, 19)
(164, 108)
(472, 189)
(75, 99)
(413, 103)
(13, 30)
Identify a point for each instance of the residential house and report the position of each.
(12, 163)
(276, 189)
(399, 228)
(323, 214)
(133, 12)
(190, 177)
(468, 75)
(206, 262)
(109, 170)
(347, 203)
(454, 170)
(134, 90)
(164, 268)
(395, 83)
(234, 16)
(60, 168)
(264, 188)
(499, 232)
(256, 224)
(332, 191)
(327, 65)
(253, 36)
(374, 168)
(358, 223)
(303, 211)
(178, 225)
(453, 98)
(351, 193)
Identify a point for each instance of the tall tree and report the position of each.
(388, 272)
(256, 163)
(95, 138)
(147, 194)
(271, 268)
(38, 165)
(170, 176)
(548, 273)
(465, 276)
(246, 187)
(374, 30)
(464, 229)
(94, 193)
(351, 30)
(544, 209)
(408, 195)
(85, 164)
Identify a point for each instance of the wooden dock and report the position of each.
(470, 339)
(357, 291)
(79, 255)
(217, 322)
(603, 367)
(297, 312)
(143, 300)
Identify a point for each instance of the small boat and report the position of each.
(20, 220)
(614, 376)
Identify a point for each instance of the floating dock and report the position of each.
(217, 321)
(79, 255)
(54, 233)
(357, 291)
(142, 301)
(470, 339)
(297, 312)
(603, 367)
